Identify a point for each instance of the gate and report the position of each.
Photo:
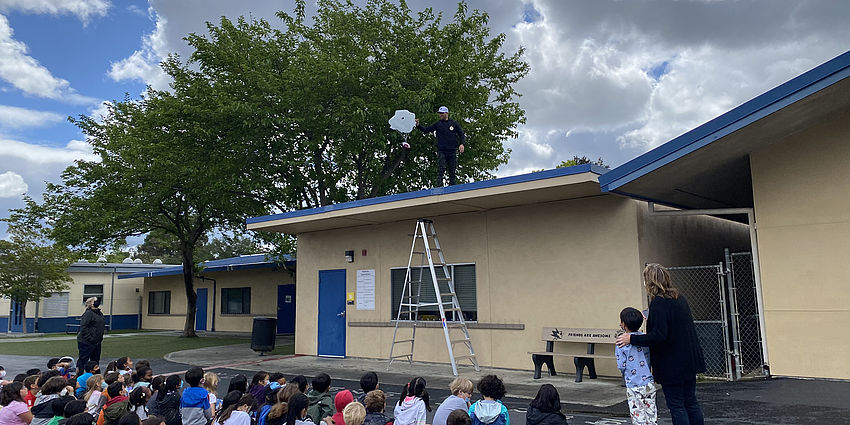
(723, 301)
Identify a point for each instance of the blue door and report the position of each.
(285, 309)
(17, 317)
(201, 310)
(331, 313)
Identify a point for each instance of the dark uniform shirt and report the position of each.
(448, 134)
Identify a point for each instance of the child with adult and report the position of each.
(633, 362)
(14, 410)
(545, 409)
(490, 410)
(461, 389)
(414, 404)
(376, 403)
(676, 353)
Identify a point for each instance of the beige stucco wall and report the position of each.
(801, 188)
(675, 241)
(126, 296)
(263, 284)
(567, 263)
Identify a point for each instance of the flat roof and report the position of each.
(245, 262)
(86, 267)
(708, 167)
(543, 186)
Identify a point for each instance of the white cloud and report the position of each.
(14, 117)
(12, 151)
(12, 185)
(29, 76)
(100, 111)
(83, 9)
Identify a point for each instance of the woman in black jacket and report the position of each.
(90, 336)
(545, 409)
(674, 351)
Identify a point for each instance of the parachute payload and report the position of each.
(403, 121)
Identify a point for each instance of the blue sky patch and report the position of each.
(657, 71)
(530, 14)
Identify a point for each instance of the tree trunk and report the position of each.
(24, 316)
(191, 295)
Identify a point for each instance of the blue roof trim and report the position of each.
(226, 264)
(522, 178)
(765, 104)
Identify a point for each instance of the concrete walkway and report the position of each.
(17, 337)
(600, 392)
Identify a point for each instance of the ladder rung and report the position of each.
(447, 294)
(471, 356)
(451, 309)
(455, 341)
(409, 304)
(401, 355)
(402, 340)
(455, 325)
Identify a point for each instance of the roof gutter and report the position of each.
(754, 247)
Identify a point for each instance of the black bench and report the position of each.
(74, 328)
(589, 336)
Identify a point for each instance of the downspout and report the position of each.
(754, 247)
(112, 298)
(212, 324)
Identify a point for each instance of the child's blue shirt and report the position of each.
(633, 362)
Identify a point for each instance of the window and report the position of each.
(159, 302)
(464, 277)
(93, 291)
(235, 300)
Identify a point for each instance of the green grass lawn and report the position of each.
(138, 346)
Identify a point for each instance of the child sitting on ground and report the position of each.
(461, 389)
(368, 382)
(118, 405)
(195, 406)
(376, 403)
(211, 385)
(633, 362)
(93, 397)
(31, 385)
(458, 417)
(342, 399)
(354, 413)
(321, 402)
(413, 404)
(490, 411)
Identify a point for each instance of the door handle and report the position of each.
(341, 314)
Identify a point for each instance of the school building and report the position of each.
(782, 162)
(527, 252)
(231, 292)
(62, 310)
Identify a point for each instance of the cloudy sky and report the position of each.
(608, 79)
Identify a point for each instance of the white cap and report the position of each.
(443, 110)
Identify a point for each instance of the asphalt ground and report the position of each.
(766, 401)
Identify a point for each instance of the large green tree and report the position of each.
(170, 162)
(324, 87)
(31, 267)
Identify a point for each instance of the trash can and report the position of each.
(263, 334)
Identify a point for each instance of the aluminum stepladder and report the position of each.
(411, 294)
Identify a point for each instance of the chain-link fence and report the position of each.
(749, 359)
(703, 288)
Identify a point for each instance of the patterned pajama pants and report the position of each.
(642, 404)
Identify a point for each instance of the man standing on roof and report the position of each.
(450, 139)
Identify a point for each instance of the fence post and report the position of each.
(733, 316)
(724, 320)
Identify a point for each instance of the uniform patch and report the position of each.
(451, 128)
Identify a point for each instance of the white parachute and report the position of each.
(403, 121)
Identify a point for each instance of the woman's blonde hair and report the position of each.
(211, 382)
(354, 414)
(658, 282)
(460, 385)
(90, 302)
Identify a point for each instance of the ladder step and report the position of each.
(456, 325)
(401, 355)
(402, 340)
(455, 341)
(471, 356)
(448, 294)
(451, 309)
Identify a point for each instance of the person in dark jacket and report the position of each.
(545, 409)
(375, 403)
(450, 140)
(676, 356)
(167, 406)
(90, 336)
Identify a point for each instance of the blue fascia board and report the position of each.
(759, 107)
(521, 178)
